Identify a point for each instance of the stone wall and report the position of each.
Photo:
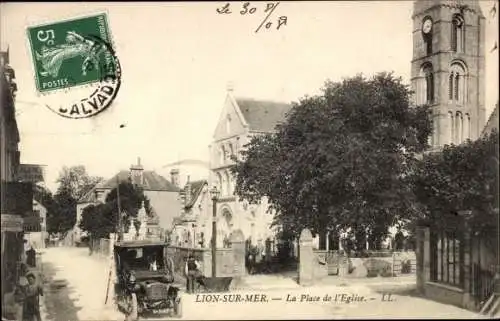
(335, 260)
(229, 263)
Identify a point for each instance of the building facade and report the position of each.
(240, 120)
(448, 73)
(448, 67)
(16, 198)
(162, 194)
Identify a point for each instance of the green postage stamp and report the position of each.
(71, 52)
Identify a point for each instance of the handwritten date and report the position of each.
(248, 9)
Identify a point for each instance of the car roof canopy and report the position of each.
(141, 243)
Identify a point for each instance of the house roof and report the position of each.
(196, 188)
(262, 115)
(152, 182)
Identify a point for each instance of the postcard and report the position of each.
(249, 160)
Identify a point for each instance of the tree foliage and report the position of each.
(341, 159)
(460, 178)
(74, 182)
(62, 216)
(102, 219)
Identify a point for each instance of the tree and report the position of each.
(459, 178)
(102, 219)
(340, 160)
(76, 180)
(62, 216)
(98, 220)
(74, 183)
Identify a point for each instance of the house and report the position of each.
(239, 121)
(36, 233)
(163, 194)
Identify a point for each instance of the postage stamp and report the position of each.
(72, 53)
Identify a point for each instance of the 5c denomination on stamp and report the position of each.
(70, 54)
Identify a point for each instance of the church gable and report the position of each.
(231, 122)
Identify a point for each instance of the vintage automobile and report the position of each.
(145, 280)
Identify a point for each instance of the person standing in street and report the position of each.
(32, 302)
(192, 272)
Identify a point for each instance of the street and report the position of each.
(75, 287)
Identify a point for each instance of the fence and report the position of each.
(483, 283)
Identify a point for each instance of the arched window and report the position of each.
(223, 154)
(457, 90)
(466, 127)
(237, 147)
(427, 84)
(229, 188)
(219, 183)
(457, 33)
(428, 43)
(230, 149)
(458, 128)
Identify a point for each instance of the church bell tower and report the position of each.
(447, 69)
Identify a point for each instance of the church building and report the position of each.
(240, 120)
(448, 67)
(448, 73)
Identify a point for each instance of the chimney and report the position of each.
(188, 191)
(174, 177)
(137, 173)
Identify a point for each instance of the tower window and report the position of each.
(457, 33)
(457, 90)
(428, 43)
(427, 88)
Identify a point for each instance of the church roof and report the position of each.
(492, 123)
(196, 188)
(262, 115)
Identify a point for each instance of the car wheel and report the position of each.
(132, 314)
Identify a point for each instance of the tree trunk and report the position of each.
(322, 240)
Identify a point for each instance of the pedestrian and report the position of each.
(31, 257)
(153, 265)
(192, 271)
(32, 303)
(27, 247)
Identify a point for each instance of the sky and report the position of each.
(177, 60)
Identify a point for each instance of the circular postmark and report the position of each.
(88, 101)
